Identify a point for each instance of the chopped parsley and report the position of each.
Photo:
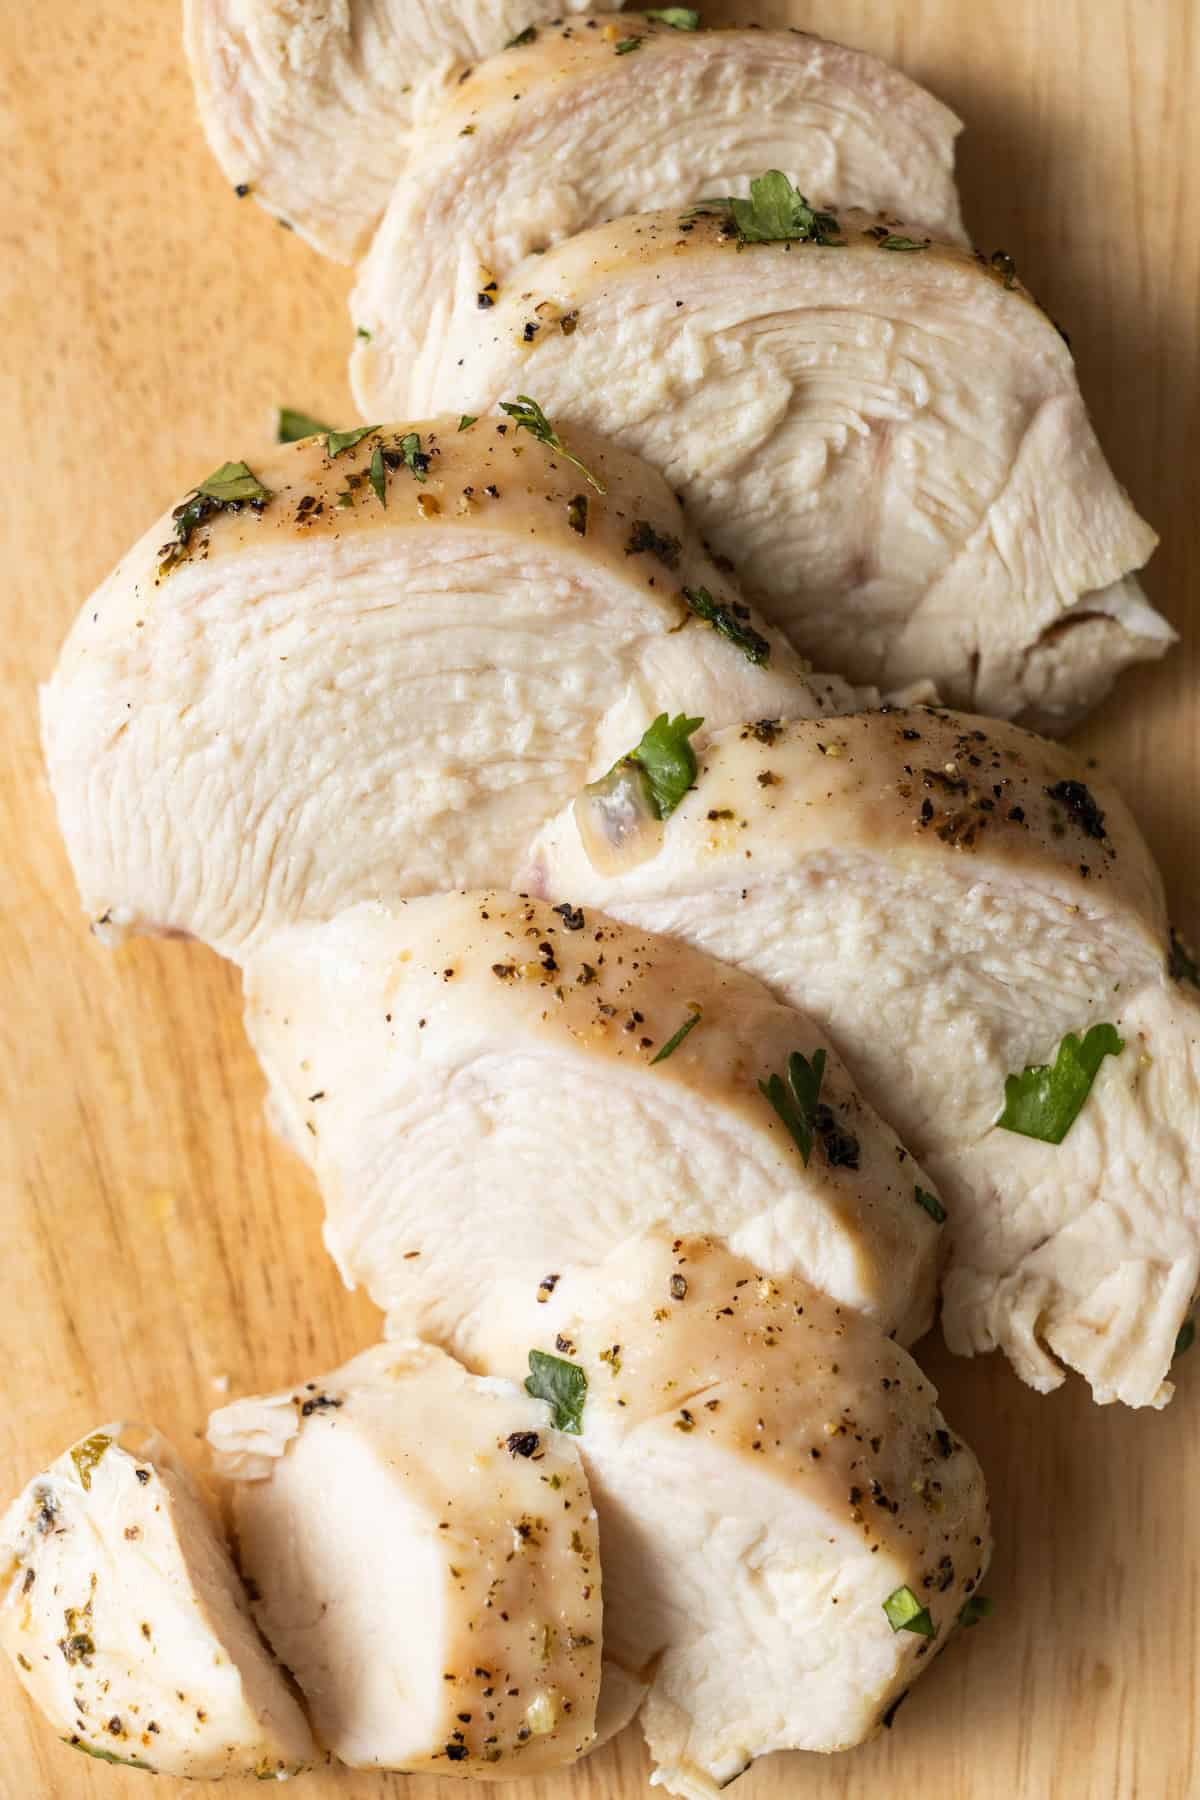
(529, 416)
(233, 482)
(377, 475)
(796, 1100)
(291, 426)
(227, 489)
(905, 1613)
(87, 1455)
(891, 242)
(577, 513)
(1044, 1101)
(932, 1205)
(679, 18)
(668, 760)
(466, 421)
(414, 457)
(776, 213)
(628, 44)
(337, 441)
(362, 332)
(563, 1385)
(127, 1762)
(731, 622)
(672, 1044)
(974, 1608)
(528, 36)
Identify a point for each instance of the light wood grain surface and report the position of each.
(153, 1237)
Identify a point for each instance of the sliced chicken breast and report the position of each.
(889, 442)
(777, 1492)
(954, 899)
(127, 1624)
(378, 672)
(423, 1551)
(487, 1088)
(594, 119)
(309, 108)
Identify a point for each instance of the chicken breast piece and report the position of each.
(952, 899)
(891, 445)
(487, 1088)
(310, 108)
(424, 1555)
(576, 127)
(127, 1624)
(776, 1488)
(383, 678)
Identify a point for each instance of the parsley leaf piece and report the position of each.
(905, 1613)
(414, 457)
(528, 36)
(679, 18)
(891, 242)
(88, 1454)
(796, 1100)
(466, 421)
(932, 1205)
(668, 759)
(1043, 1101)
(672, 1044)
(529, 416)
(974, 1608)
(776, 213)
(362, 332)
(107, 1756)
(563, 1385)
(293, 425)
(337, 441)
(1181, 964)
(1185, 1338)
(730, 622)
(233, 481)
(377, 475)
(628, 44)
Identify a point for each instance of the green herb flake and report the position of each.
(931, 1204)
(528, 36)
(776, 212)
(672, 1044)
(563, 1385)
(577, 513)
(337, 441)
(891, 242)
(628, 44)
(1044, 1101)
(415, 458)
(362, 332)
(377, 475)
(87, 1455)
(466, 421)
(1181, 964)
(1185, 1339)
(679, 18)
(529, 416)
(796, 1100)
(231, 483)
(974, 1608)
(668, 760)
(905, 1613)
(732, 622)
(107, 1756)
(292, 426)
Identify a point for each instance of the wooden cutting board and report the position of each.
(155, 1243)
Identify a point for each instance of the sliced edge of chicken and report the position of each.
(310, 109)
(476, 1081)
(127, 1624)
(769, 1470)
(423, 1552)
(333, 696)
(892, 447)
(600, 132)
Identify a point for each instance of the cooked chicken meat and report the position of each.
(953, 901)
(466, 1641)
(889, 443)
(310, 108)
(486, 1088)
(601, 132)
(127, 1623)
(379, 672)
(777, 1495)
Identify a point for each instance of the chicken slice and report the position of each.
(485, 1089)
(891, 446)
(602, 131)
(127, 1623)
(466, 1641)
(310, 108)
(951, 898)
(335, 694)
(769, 1470)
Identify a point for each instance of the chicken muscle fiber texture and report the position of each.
(128, 1625)
(949, 898)
(335, 698)
(594, 135)
(467, 1641)
(472, 1079)
(769, 1469)
(311, 107)
(891, 445)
